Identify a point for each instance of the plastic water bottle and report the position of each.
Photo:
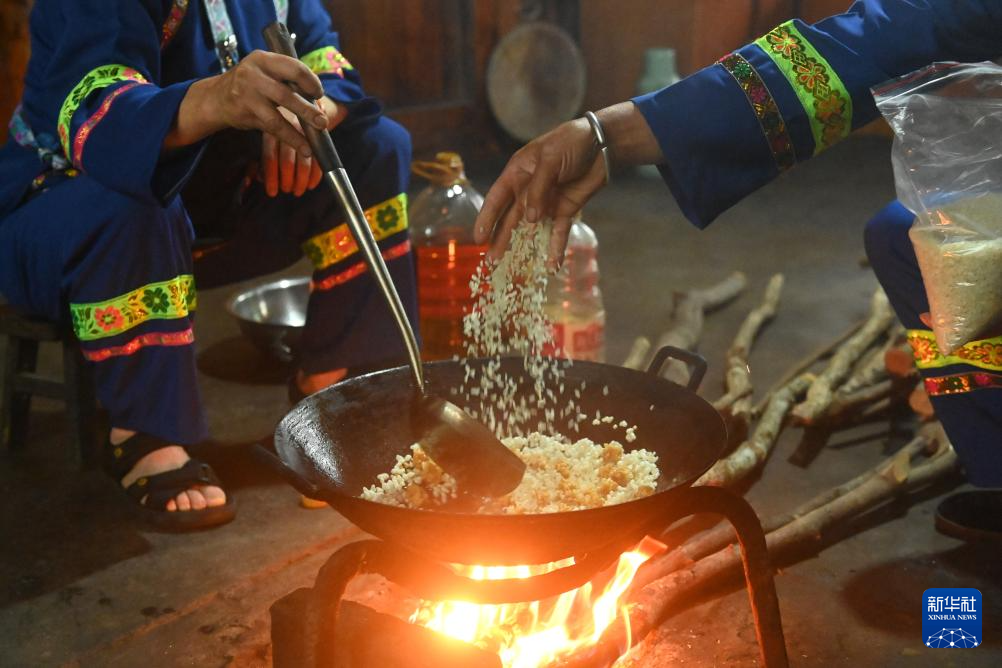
(441, 219)
(574, 299)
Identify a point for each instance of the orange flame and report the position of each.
(534, 634)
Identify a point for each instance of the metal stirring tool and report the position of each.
(459, 444)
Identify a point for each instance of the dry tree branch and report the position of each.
(722, 535)
(639, 351)
(873, 366)
(687, 320)
(820, 394)
(753, 452)
(738, 376)
(684, 333)
(721, 293)
(844, 405)
(806, 363)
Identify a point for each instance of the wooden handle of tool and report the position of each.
(278, 39)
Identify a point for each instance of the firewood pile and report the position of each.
(864, 375)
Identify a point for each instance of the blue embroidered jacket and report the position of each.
(731, 128)
(105, 80)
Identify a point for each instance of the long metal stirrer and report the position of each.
(280, 41)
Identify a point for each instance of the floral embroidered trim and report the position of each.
(356, 270)
(766, 111)
(173, 22)
(99, 77)
(327, 60)
(385, 219)
(166, 300)
(986, 354)
(182, 338)
(822, 94)
(88, 126)
(961, 383)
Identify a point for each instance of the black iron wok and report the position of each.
(335, 442)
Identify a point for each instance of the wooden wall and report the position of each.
(427, 58)
(614, 40)
(614, 35)
(13, 56)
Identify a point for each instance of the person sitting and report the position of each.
(122, 102)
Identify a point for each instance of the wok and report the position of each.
(335, 442)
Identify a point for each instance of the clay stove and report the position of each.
(316, 628)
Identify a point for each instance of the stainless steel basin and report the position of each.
(272, 315)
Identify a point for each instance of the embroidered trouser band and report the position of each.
(966, 388)
(120, 273)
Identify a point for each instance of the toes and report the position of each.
(214, 496)
(183, 501)
(197, 499)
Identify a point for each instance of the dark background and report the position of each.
(427, 59)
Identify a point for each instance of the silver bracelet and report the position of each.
(600, 142)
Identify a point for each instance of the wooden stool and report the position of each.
(20, 382)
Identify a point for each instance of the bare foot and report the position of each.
(170, 458)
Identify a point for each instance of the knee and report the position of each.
(886, 234)
(391, 141)
(379, 152)
(145, 222)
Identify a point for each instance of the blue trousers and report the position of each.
(965, 396)
(120, 272)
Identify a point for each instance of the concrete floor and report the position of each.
(82, 584)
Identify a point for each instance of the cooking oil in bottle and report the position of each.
(442, 218)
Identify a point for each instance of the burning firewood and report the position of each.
(400, 644)
(821, 392)
(687, 321)
(738, 377)
(752, 453)
(697, 568)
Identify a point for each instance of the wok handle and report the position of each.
(696, 362)
(272, 461)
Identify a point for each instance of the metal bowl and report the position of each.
(272, 315)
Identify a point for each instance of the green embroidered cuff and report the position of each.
(97, 78)
(327, 60)
(821, 93)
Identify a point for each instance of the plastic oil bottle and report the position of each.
(574, 299)
(441, 219)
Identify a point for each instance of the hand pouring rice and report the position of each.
(561, 474)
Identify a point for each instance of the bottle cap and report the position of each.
(445, 170)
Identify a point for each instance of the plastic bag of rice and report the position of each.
(947, 121)
(962, 271)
